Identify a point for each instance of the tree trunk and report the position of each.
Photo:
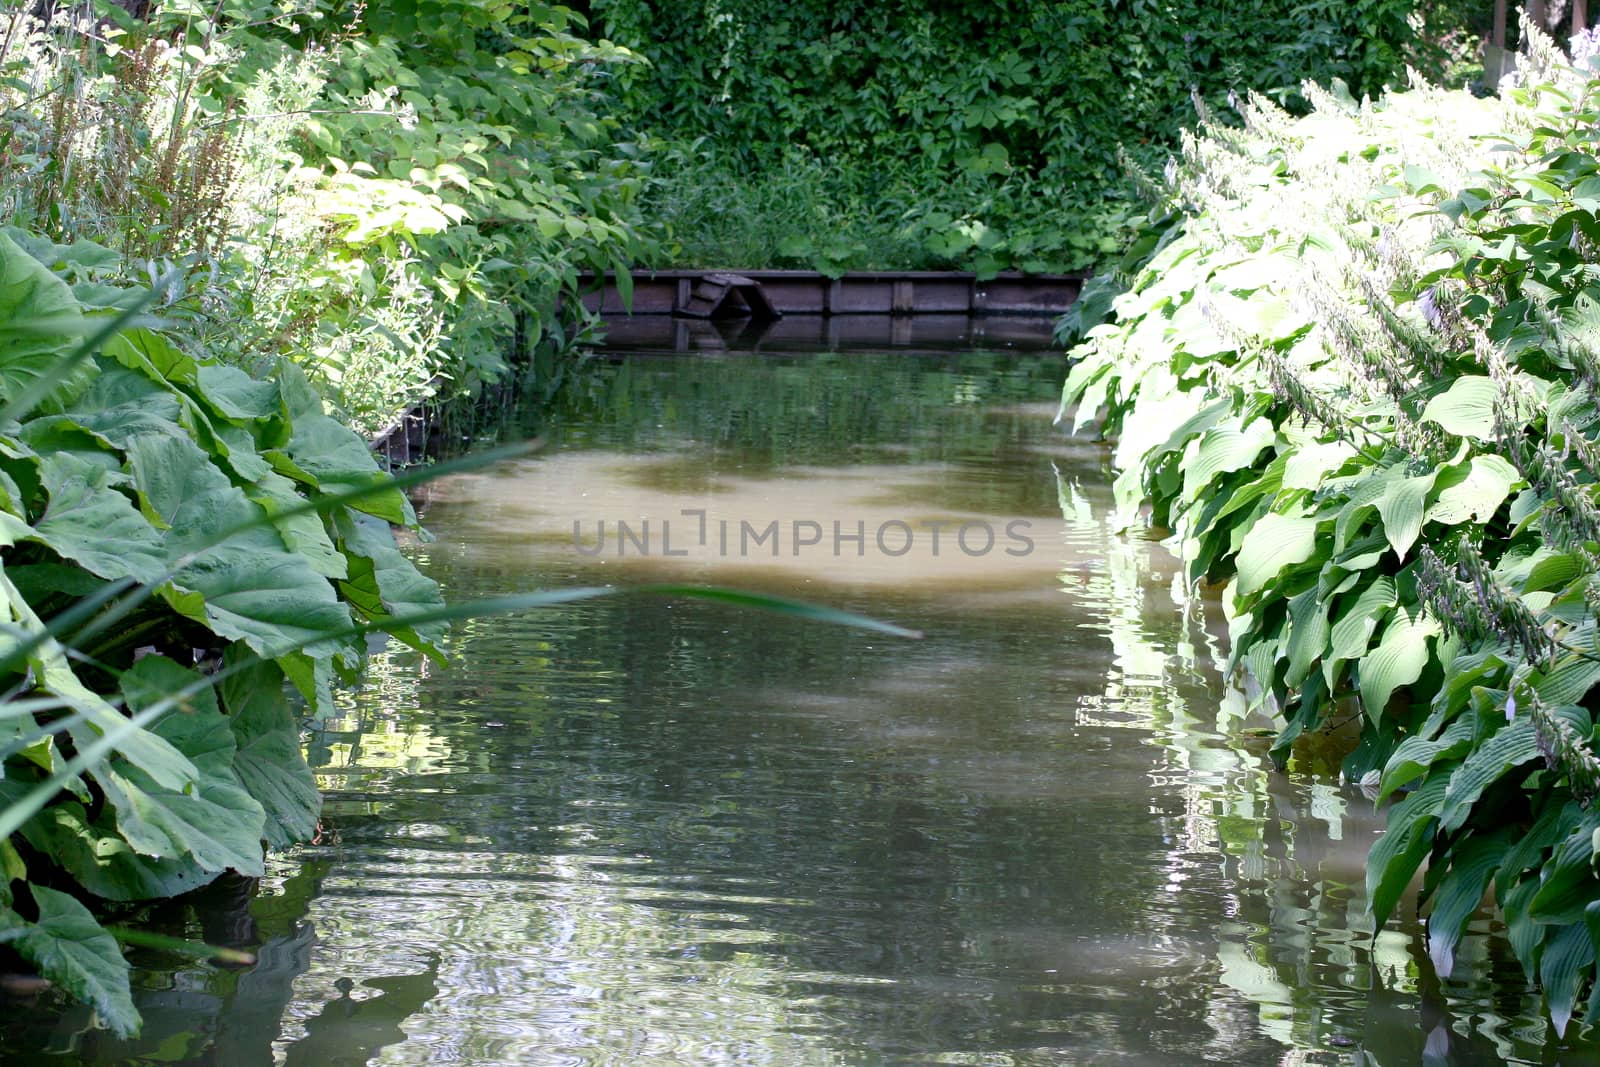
(1497, 34)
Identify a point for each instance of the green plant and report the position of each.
(952, 127)
(1359, 385)
(397, 207)
(143, 468)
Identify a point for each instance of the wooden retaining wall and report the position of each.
(803, 292)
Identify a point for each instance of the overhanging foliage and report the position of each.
(1359, 383)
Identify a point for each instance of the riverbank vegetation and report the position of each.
(214, 218)
(1357, 381)
(984, 137)
(395, 200)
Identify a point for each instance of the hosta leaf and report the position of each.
(1478, 495)
(1221, 450)
(1460, 892)
(1309, 466)
(269, 761)
(1276, 542)
(69, 948)
(1399, 659)
(1466, 409)
(1553, 825)
(1309, 631)
(1352, 630)
(1401, 509)
(1417, 754)
(1510, 747)
(1569, 681)
(1523, 933)
(1394, 860)
(1568, 952)
(1569, 884)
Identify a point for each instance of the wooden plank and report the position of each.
(901, 300)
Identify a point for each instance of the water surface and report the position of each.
(657, 831)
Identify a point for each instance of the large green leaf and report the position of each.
(1460, 892)
(1399, 659)
(1568, 954)
(1356, 622)
(122, 404)
(218, 826)
(1524, 934)
(90, 524)
(383, 583)
(1466, 409)
(1417, 754)
(39, 320)
(1308, 635)
(250, 587)
(96, 854)
(235, 395)
(1569, 884)
(70, 949)
(1221, 450)
(1510, 747)
(302, 531)
(1394, 860)
(1475, 495)
(216, 822)
(1276, 542)
(336, 459)
(269, 762)
(1401, 508)
(53, 674)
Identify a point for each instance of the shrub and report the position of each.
(991, 136)
(1359, 384)
(392, 206)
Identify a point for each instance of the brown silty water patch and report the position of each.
(872, 525)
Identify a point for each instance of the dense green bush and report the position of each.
(396, 199)
(985, 135)
(1359, 383)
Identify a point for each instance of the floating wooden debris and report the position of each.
(724, 296)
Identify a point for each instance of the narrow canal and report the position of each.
(653, 831)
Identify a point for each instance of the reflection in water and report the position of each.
(647, 832)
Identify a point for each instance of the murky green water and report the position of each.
(645, 831)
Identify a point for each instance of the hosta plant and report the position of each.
(1359, 386)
